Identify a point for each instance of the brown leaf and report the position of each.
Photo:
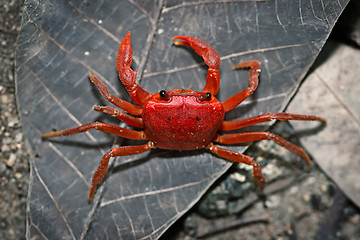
(332, 91)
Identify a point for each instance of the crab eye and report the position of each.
(164, 95)
(205, 96)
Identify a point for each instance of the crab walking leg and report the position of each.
(132, 121)
(241, 158)
(126, 106)
(256, 136)
(231, 125)
(211, 58)
(127, 75)
(103, 166)
(119, 131)
(238, 98)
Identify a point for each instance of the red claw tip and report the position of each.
(184, 42)
(126, 40)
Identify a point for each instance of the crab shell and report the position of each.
(185, 120)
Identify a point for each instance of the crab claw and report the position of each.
(211, 58)
(124, 55)
(127, 75)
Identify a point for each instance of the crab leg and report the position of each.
(119, 131)
(132, 121)
(231, 125)
(211, 58)
(241, 158)
(126, 106)
(238, 98)
(256, 136)
(127, 75)
(115, 152)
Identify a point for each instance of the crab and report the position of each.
(182, 119)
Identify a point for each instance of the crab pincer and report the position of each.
(211, 58)
(127, 75)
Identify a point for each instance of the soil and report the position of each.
(14, 161)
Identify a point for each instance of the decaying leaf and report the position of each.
(332, 91)
(62, 41)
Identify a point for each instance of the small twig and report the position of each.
(272, 188)
(292, 230)
(224, 226)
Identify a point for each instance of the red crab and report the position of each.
(181, 119)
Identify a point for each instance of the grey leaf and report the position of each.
(61, 41)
